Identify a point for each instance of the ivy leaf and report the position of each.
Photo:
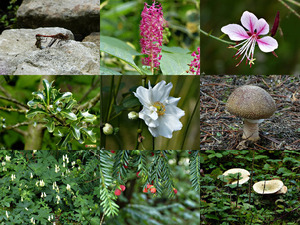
(34, 102)
(68, 114)
(58, 132)
(50, 125)
(39, 95)
(70, 104)
(76, 131)
(87, 116)
(33, 112)
(47, 87)
(90, 134)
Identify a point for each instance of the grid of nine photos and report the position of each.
(249, 116)
(100, 127)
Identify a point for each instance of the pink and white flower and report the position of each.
(255, 27)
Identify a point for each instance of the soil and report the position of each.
(220, 130)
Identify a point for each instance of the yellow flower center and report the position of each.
(160, 108)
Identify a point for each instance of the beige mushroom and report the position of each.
(268, 186)
(253, 104)
(244, 175)
(283, 190)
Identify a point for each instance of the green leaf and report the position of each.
(70, 104)
(95, 221)
(90, 134)
(50, 125)
(58, 132)
(34, 102)
(33, 112)
(175, 50)
(64, 141)
(131, 102)
(87, 116)
(107, 71)
(68, 114)
(47, 87)
(76, 131)
(119, 49)
(175, 63)
(39, 95)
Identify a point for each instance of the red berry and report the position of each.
(175, 190)
(190, 152)
(137, 174)
(149, 186)
(152, 153)
(118, 192)
(112, 151)
(153, 190)
(145, 190)
(122, 187)
(125, 166)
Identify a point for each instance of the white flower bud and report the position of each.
(108, 129)
(133, 115)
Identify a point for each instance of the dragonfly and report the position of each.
(40, 38)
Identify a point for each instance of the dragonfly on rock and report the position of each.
(40, 38)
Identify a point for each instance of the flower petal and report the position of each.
(267, 44)
(262, 27)
(144, 95)
(249, 21)
(161, 91)
(235, 32)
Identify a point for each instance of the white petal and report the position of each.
(249, 21)
(143, 94)
(161, 91)
(267, 44)
(173, 110)
(235, 32)
(262, 27)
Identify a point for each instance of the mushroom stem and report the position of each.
(250, 130)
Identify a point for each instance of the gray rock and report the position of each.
(79, 16)
(20, 56)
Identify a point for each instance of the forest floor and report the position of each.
(220, 130)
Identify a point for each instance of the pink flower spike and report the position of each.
(249, 36)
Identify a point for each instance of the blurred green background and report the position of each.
(186, 87)
(217, 57)
(121, 19)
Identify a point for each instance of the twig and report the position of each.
(15, 128)
(13, 110)
(94, 85)
(14, 101)
(90, 103)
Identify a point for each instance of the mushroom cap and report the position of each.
(245, 175)
(251, 102)
(271, 186)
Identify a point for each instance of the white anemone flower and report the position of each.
(160, 112)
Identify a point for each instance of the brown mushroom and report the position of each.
(253, 104)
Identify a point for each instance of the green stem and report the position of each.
(111, 98)
(287, 6)
(140, 124)
(294, 2)
(153, 143)
(189, 122)
(102, 136)
(219, 39)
